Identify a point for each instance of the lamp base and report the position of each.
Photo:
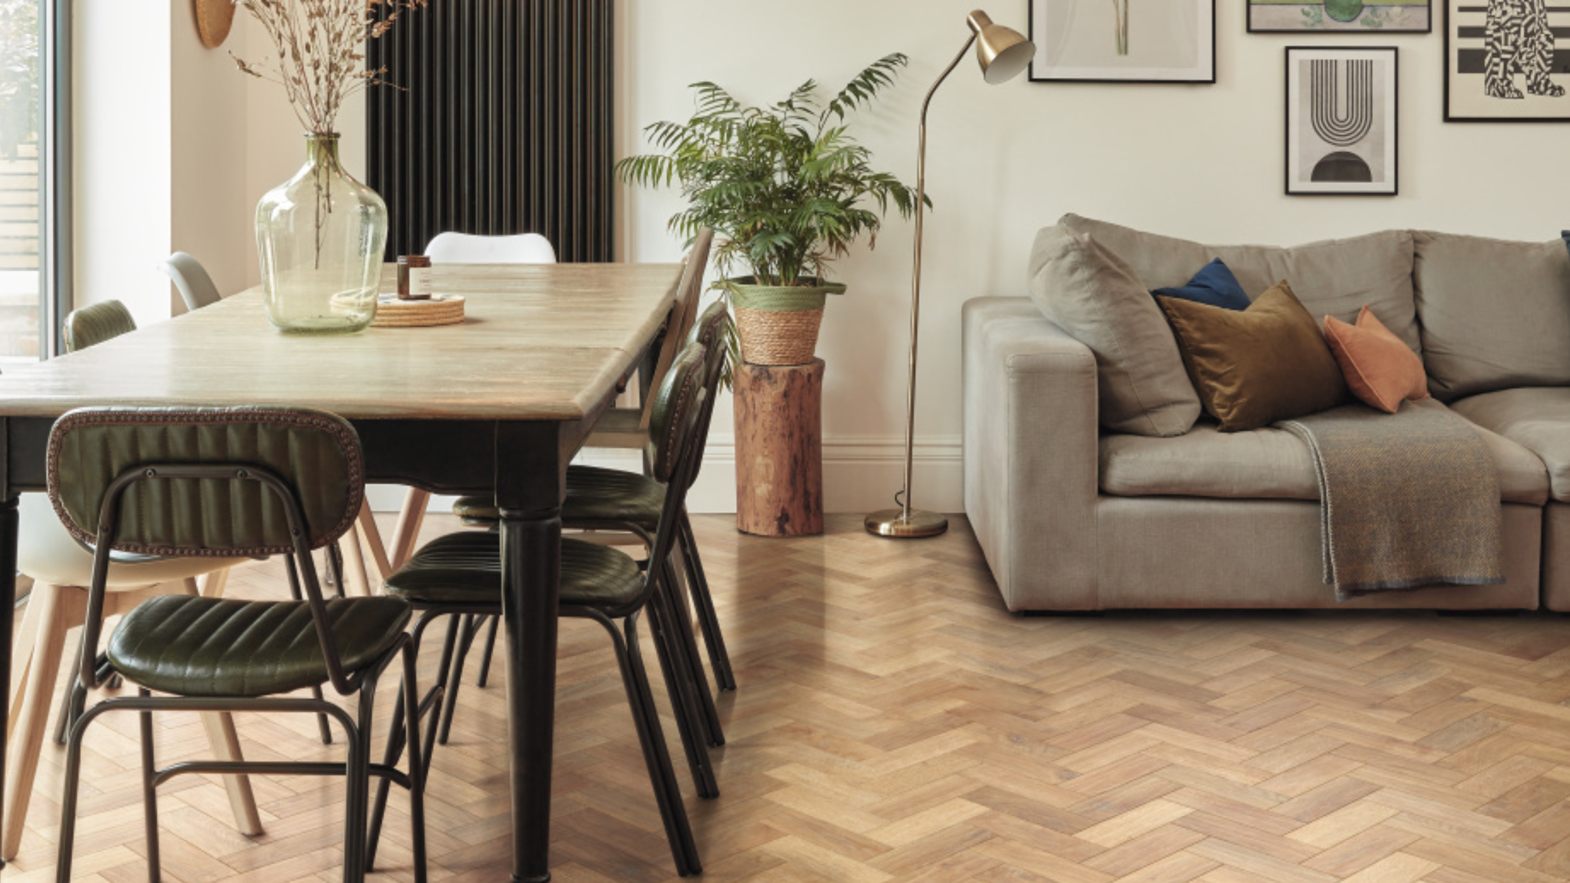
(894, 523)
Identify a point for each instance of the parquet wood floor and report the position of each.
(894, 723)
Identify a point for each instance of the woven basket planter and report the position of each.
(778, 325)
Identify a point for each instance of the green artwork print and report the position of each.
(1347, 16)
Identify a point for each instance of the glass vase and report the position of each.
(319, 237)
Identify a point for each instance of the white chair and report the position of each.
(190, 279)
(445, 248)
(462, 248)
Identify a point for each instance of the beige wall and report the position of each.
(1199, 161)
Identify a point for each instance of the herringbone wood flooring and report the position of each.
(895, 723)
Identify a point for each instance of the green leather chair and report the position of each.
(198, 482)
(616, 500)
(458, 575)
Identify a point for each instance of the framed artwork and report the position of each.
(1503, 63)
(1341, 120)
(1341, 16)
(1116, 41)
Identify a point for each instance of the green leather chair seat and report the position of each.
(465, 568)
(593, 494)
(193, 646)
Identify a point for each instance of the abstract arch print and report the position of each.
(1341, 120)
(1342, 114)
(1518, 39)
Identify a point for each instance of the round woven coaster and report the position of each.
(440, 309)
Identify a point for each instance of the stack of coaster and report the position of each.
(439, 309)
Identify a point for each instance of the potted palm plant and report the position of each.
(787, 190)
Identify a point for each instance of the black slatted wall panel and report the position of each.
(504, 127)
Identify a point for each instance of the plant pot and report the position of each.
(778, 324)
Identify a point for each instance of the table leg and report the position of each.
(531, 573)
(8, 524)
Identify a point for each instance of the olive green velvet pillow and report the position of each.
(1256, 366)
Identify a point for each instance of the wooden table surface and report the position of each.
(538, 342)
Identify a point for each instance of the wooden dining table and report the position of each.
(496, 405)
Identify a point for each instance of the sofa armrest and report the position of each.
(1031, 454)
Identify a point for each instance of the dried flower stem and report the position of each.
(316, 55)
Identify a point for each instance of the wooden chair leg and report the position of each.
(225, 743)
(407, 533)
(59, 609)
(357, 581)
(373, 536)
(26, 636)
(223, 739)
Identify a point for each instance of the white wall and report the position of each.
(1198, 161)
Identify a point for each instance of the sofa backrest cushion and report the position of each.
(1094, 296)
(1495, 314)
(1334, 277)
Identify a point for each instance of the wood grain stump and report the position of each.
(779, 449)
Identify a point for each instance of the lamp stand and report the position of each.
(906, 522)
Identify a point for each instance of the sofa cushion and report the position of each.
(1536, 418)
(1256, 366)
(1378, 367)
(1495, 314)
(1091, 294)
(1214, 284)
(1272, 464)
(1332, 278)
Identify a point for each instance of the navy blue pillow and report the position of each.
(1214, 285)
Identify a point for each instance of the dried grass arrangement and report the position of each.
(317, 51)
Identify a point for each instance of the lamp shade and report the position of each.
(1002, 52)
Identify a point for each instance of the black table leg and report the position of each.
(531, 572)
(8, 525)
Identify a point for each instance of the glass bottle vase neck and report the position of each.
(322, 148)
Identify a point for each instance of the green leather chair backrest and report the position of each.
(676, 409)
(315, 453)
(93, 325)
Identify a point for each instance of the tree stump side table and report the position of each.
(779, 449)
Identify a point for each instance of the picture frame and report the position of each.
(1342, 110)
(1099, 41)
(1506, 84)
(1341, 17)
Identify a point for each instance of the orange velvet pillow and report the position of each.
(1379, 368)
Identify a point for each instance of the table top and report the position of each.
(539, 342)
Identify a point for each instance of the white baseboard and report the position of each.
(860, 474)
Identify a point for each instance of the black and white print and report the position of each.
(1503, 63)
(1341, 120)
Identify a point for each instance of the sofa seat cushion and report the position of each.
(1536, 418)
(1272, 464)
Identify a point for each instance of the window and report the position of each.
(34, 257)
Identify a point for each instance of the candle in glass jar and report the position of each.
(414, 277)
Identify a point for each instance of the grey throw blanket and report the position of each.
(1406, 500)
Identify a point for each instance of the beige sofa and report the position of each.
(1072, 516)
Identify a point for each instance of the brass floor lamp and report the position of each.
(1002, 53)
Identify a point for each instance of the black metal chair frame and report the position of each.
(675, 649)
(697, 585)
(357, 767)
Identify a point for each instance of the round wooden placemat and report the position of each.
(440, 309)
